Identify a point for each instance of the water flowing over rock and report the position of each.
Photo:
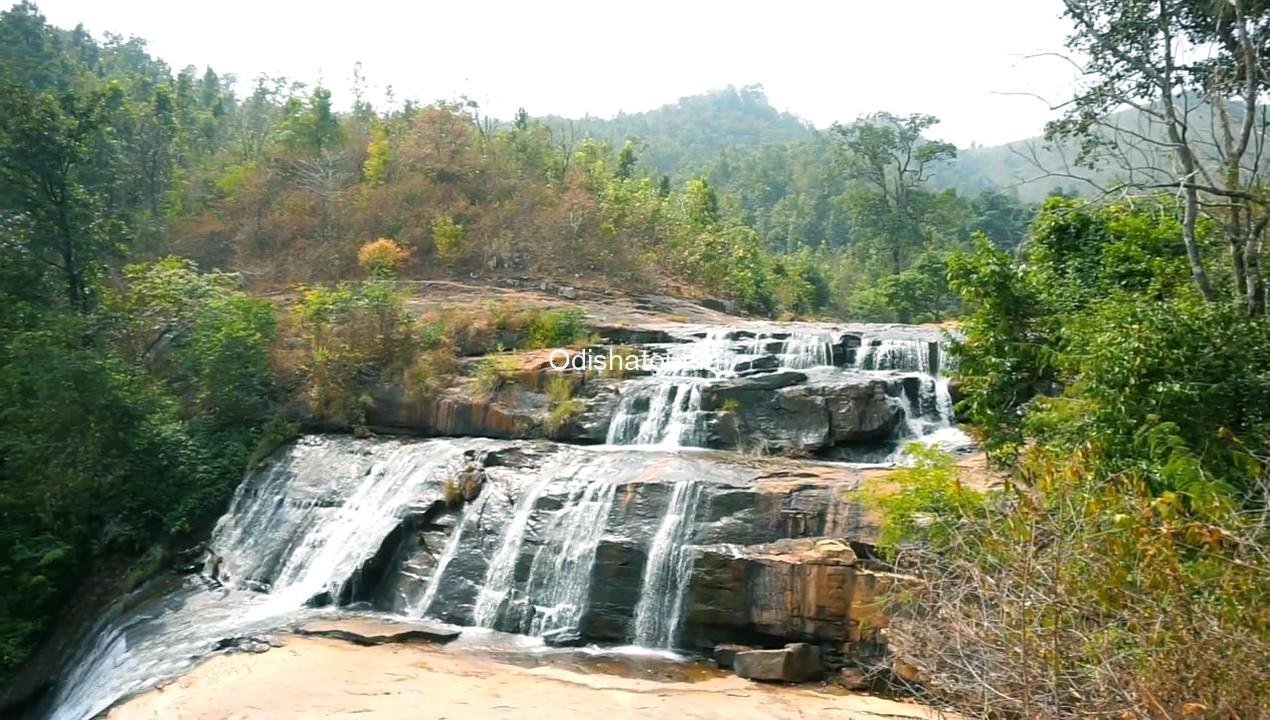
(639, 540)
(667, 570)
(847, 391)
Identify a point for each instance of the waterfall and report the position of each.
(943, 401)
(712, 355)
(560, 575)
(471, 511)
(500, 576)
(667, 570)
(297, 529)
(673, 417)
(300, 550)
(895, 354)
(806, 350)
(560, 572)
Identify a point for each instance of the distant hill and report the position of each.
(714, 132)
(1032, 168)
(687, 135)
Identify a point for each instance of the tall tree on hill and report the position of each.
(53, 194)
(888, 162)
(1194, 71)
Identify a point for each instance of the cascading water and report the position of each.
(667, 569)
(297, 530)
(301, 551)
(500, 577)
(672, 417)
(895, 354)
(560, 576)
(471, 512)
(801, 351)
(560, 572)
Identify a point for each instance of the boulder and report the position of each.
(788, 412)
(564, 637)
(758, 364)
(375, 631)
(725, 653)
(844, 349)
(459, 411)
(796, 662)
(860, 412)
(809, 589)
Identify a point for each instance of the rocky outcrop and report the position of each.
(788, 412)
(813, 589)
(461, 411)
(753, 401)
(379, 631)
(796, 662)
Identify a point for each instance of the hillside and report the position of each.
(680, 138)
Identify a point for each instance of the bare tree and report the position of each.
(1173, 103)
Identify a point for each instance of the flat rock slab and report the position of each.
(796, 662)
(376, 631)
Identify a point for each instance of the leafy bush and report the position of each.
(381, 257)
(431, 371)
(112, 443)
(447, 238)
(556, 328)
(1133, 550)
(1086, 596)
(353, 335)
(919, 499)
(494, 372)
(564, 406)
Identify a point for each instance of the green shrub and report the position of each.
(556, 328)
(1085, 597)
(353, 335)
(494, 373)
(927, 500)
(564, 406)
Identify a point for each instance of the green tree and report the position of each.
(921, 292)
(888, 161)
(1197, 133)
(54, 150)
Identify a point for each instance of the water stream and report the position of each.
(301, 530)
(666, 572)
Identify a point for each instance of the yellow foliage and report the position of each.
(381, 257)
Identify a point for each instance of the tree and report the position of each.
(310, 125)
(920, 293)
(888, 160)
(51, 144)
(626, 160)
(1194, 73)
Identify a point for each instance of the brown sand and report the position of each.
(323, 678)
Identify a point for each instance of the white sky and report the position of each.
(823, 61)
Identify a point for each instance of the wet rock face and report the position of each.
(790, 412)
(732, 594)
(460, 412)
(851, 392)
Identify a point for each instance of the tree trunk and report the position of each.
(1256, 283)
(1235, 240)
(1192, 248)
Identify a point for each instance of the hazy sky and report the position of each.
(824, 61)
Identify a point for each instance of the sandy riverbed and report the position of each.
(321, 678)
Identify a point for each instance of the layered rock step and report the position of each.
(815, 389)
